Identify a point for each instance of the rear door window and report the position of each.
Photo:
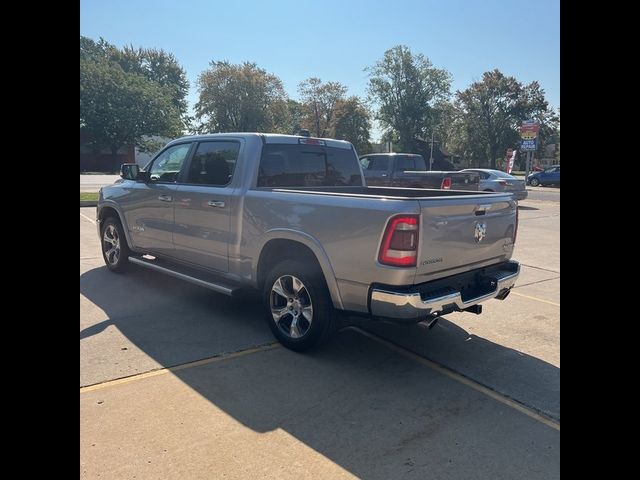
(214, 163)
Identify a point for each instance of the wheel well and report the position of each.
(106, 212)
(276, 250)
(487, 190)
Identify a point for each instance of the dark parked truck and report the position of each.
(410, 170)
(293, 217)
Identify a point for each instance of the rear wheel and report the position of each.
(115, 250)
(534, 182)
(298, 306)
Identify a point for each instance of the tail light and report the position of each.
(446, 183)
(515, 230)
(400, 242)
(503, 182)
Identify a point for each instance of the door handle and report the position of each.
(215, 203)
(165, 198)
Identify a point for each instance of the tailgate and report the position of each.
(464, 232)
(464, 180)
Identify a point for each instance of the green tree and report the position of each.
(118, 108)
(161, 67)
(353, 123)
(491, 111)
(154, 64)
(405, 88)
(319, 101)
(294, 118)
(240, 98)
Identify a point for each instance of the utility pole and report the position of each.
(431, 155)
(528, 165)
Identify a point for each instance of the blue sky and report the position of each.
(336, 40)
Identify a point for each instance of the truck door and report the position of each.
(203, 206)
(149, 206)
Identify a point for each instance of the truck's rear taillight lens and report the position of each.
(400, 242)
(515, 230)
(446, 183)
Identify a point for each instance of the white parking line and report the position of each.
(90, 219)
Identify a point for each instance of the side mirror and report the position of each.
(129, 171)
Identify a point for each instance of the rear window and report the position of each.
(290, 165)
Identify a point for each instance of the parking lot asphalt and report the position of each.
(179, 382)
(544, 194)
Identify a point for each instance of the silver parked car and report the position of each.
(499, 181)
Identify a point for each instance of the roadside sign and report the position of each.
(528, 145)
(529, 130)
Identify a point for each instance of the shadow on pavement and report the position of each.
(521, 207)
(372, 411)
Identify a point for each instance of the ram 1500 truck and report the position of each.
(410, 170)
(293, 217)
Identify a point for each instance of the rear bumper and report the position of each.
(520, 195)
(450, 294)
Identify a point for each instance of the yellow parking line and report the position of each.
(535, 298)
(461, 379)
(90, 219)
(198, 363)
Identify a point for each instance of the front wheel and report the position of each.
(534, 182)
(298, 306)
(115, 250)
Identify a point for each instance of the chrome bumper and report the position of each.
(409, 305)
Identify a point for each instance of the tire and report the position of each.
(487, 190)
(113, 244)
(310, 306)
(534, 182)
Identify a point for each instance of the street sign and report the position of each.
(528, 145)
(529, 130)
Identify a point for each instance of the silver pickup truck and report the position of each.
(292, 216)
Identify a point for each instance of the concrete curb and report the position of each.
(88, 203)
